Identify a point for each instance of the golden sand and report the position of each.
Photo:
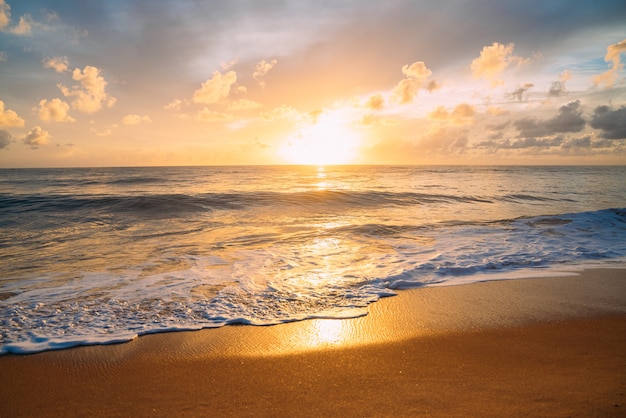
(536, 347)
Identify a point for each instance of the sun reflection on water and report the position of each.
(321, 176)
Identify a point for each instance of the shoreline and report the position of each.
(541, 346)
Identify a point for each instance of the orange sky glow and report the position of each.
(135, 83)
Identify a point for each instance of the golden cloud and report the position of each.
(9, 118)
(613, 56)
(91, 94)
(54, 110)
(216, 88)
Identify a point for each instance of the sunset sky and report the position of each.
(132, 83)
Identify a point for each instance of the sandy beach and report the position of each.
(532, 347)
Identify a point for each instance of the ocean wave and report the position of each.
(173, 203)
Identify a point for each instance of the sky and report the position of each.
(149, 83)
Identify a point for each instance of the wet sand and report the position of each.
(534, 347)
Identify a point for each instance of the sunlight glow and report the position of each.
(330, 140)
(329, 331)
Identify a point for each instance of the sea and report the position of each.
(102, 255)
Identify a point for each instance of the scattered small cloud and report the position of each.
(5, 15)
(375, 102)
(228, 65)
(24, 26)
(216, 88)
(5, 139)
(54, 110)
(133, 119)
(243, 104)
(9, 118)
(460, 115)
(281, 112)
(496, 111)
(261, 68)
(207, 115)
(3, 56)
(58, 64)
(519, 92)
(175, 105)
(612, 56)
(36, 138)
(91, 95)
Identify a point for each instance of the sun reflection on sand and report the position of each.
(323, 332)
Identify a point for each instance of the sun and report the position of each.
(330, 140)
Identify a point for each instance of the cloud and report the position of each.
(281, 112)
(611, 122)
(91, 94)
(460, 115)
(492, 62)
(36, 137)
(558, 87)
(174, 105)
(5, 139)
(207, 115)
(243, 104)
(432, 85)
(54, 110)
(376, 102)
(215, 88)
(24, 26)
(569, 119)
(58, 64)
(136, 120)
(416, 75)
(5, 14)
(613, 57)
(9, 117)
(519, 93)
(444, 141)
(3, 56)
(106, 132)
(261, 68)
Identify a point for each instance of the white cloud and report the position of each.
(91, 94)
(54, 110)
(58, 64)
(136, 120)
(36, 137)
(9, 117)
(215, 88)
